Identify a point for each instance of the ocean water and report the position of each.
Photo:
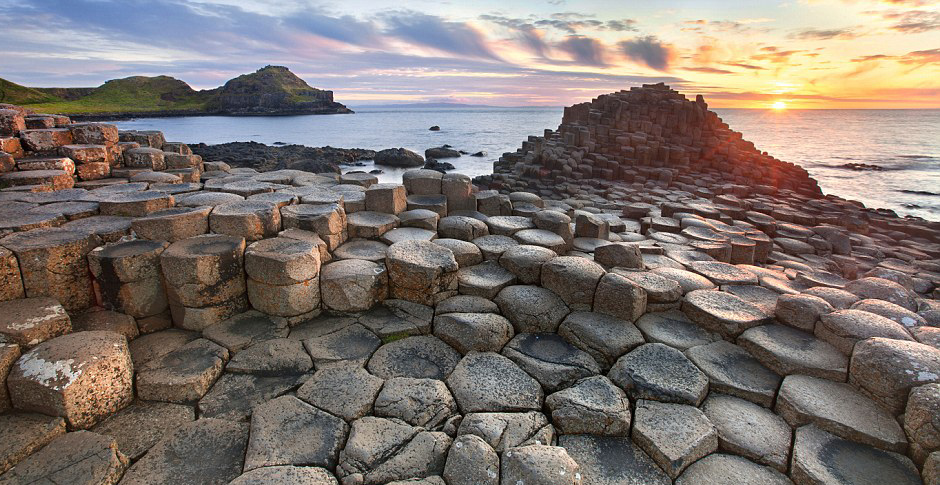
(904, 143)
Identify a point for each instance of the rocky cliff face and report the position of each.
(273, 90)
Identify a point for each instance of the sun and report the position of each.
(779, 105)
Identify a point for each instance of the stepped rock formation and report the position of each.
(272, 90)
(165, 319)
(649, 132)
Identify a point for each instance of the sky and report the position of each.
(746, 54)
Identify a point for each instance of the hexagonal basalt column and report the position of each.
(283, 276)
(421, 271)
(52, 262)
(204, 279)
(250, 219)
(83, 377)
(128, 277)
(353, 285)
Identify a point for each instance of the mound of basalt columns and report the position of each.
(638, 297)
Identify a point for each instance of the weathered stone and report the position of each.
(461, 227)
(471, 461)
(553, 362)
(886, 369)
(721, 312)
(370, 225)
(209, 451)
(892, 312)
(419, 402)
(574, 279)
(246, 329)
(105, 320)
(921, 421)
(661, 373)
(52, 263)
(374, 251)
(592, 406)
(183, 375)
(542, 238)
(352, 285)
(786, 350)
(286, 475)
(415, 357)
(421, 271)
(395, 319)
(352, 343)
(80, 458)
(525, 262)
(819, 457)
(466, 253)
(619, 297)
(801, 311)
(466, 304)
(542, 464)
(158, 344)
(458, 190)
(721, 469)
(732, 370)
(381, 451)
(674, 329)
(619, 255)
(485, 280)
(141, 425)
(82, 377)
(466, 332)
(31, 321)
(882, 289)
(749, 430)
(608, 460)
(347, 391)
(21, 435)
(135, 204)
(839, 299)
(288, 431)
(503, 431)
(844, 328)
(490, 382)
(250, 219)
(234, 396)
(387, 198)
(604, 337)
(674, 435)
(531, 309)
(272, 358)
(839, 409)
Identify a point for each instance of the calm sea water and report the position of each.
(905, 143)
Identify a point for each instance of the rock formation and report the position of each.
(164, 319)
(272, 90)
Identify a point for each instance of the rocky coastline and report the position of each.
(640, 296)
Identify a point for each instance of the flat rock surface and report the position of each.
(661, 373)
(418, 357)
(551, 360)
(749, 430)
(732, 370)
(485, 381)
(819, 457)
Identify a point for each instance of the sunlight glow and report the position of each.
(779, 105)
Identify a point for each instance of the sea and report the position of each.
(902, 145)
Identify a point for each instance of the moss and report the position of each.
(395, 336)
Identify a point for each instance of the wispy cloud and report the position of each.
(436, 33)
(584, 50)
(649, 51)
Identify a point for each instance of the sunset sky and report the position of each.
(796, 53)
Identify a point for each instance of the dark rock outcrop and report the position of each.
(273, 90)
(265, 158)
(398, 157)
(441, 152)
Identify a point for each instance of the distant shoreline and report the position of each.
(124, 116)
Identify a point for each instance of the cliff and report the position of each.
(272, 90)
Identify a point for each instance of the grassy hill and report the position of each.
(138, 94)
(270, 90)
(13, 93)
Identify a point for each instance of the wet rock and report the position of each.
(287, 431)
(416, 357)
(661, 373)
(732, 370)
(608, 460)
(210, 451)
(234, 396)
(553, 362)
(819, 457)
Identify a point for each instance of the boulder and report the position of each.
(398, 157)
(674, 435)
(661, 373)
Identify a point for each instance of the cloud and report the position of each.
(913, 21)
(649, 51)
(846, 33)
(744, 66)
(584, 50)
(920, 58)
(346, 29)
(735, 26)
(437, 33)
(707, 70)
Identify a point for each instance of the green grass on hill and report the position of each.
(137, 94)
(13, 93)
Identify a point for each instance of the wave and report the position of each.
(919, 192)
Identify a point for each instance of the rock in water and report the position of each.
(398, 157)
